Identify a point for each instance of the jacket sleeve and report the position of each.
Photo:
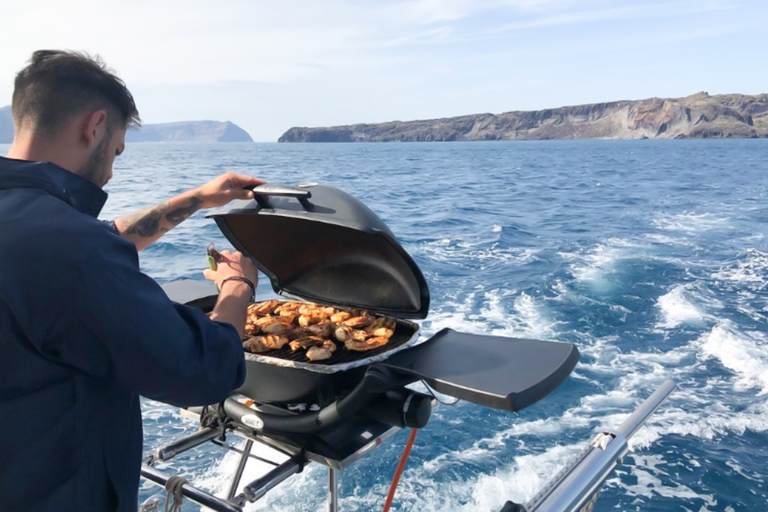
(117, 323)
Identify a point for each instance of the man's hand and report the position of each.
(232, 264)
(226, 188)
(234, 295)
(144, 227)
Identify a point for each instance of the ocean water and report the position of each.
(651, 256)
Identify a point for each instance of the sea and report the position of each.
(650, 256)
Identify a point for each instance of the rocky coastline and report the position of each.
(699, 116)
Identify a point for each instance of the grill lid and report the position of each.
(321, 244)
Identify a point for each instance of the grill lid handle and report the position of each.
(262, 192)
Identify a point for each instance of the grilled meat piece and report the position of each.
(258, 344)
(368, 344)
(290, 315)
(287, 308)
(321, 352)
(382, 327)
(339, 317)
(263, 308)
(357, 321)
(274, 324)
(322, 330)
(255, 346)
(305, 342)
(345, 332)
(314, 316)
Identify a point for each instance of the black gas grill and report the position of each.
(319, 244)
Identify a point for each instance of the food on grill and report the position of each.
(312, 327)
(368, 344)
(381, 327)
(274, 324)
(340, 317)
(259, 344)
(357, 321)
(312, 317)
(345, 332)
(306, 342)
(322, 352)
(323, 330)
(263, 308)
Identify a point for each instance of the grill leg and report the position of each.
(240, 468)
(333, 490)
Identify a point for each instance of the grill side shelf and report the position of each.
(503, 373)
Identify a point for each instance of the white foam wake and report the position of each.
(686, 304)
(745, 354)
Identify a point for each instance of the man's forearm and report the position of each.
(145, 226)
(231, 306)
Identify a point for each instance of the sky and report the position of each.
(271, 65)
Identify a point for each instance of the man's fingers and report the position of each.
(244, 194)
(209, 274)
(248, 180)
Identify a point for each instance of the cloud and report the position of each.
(269, 65)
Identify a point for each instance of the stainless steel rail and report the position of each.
(575, 487)
(192, 493)
(333, 490)
(259, 487)
(186, 443)
(240, 468)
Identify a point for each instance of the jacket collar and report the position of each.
(76, 191)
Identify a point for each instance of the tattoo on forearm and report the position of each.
(181, 213)
(148, 223)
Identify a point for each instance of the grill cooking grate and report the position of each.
(403, 333)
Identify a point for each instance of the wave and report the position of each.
(682, 305)
(745, 354)
(690, 222)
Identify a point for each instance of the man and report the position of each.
(83, 332)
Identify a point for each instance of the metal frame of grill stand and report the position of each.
(574, 489)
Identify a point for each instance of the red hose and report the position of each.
(399, 470)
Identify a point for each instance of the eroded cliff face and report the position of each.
(696, 116)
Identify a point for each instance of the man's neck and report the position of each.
(27, 147)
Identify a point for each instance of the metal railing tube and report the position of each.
(644, 410)
(186, 443)
(193, 493)
(259, 487)
(582, 480)
(577, 483)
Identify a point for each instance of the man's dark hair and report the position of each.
(57, 86)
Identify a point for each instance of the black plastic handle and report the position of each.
(262, 192)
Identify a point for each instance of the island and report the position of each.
(699, 116)
(185, 131)
(6, 125)
(189, 131)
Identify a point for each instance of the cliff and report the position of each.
(188, 131)
(694, 117)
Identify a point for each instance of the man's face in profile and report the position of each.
(98, 167)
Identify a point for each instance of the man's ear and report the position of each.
(95, 128)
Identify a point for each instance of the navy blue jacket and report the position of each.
(83, 333)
